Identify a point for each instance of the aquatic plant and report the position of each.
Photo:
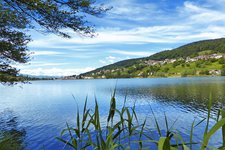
(126, 130)
(11, 136)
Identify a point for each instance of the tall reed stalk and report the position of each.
(127, 131)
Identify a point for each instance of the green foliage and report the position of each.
(140, 66)
(223, 70)
(222, 61)
(11, 140)
(178, 68)
(145, 74)
(53, 16)
(166, 69)
(154, 68)
(178, 62)
(108, 137)
(199, 64)
(188, 73)
(205, 72)
(208, 63)
(213, 60)
(118, 133)
(12, 44)
(192, 49)
(160, 74)
(11, 135)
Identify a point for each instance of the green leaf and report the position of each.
(223, 127)
(164, 143)
(207, 136)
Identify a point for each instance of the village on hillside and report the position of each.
(102, 73)
(188, 59)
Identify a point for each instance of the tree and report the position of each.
(221, 61)
(52, 16)
(223, 70)
(166, 69)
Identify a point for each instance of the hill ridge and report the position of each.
(191, 50)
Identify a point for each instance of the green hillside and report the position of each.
(169, 63)
(192, 49)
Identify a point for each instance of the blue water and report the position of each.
(41, 109)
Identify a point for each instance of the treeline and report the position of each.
(192, 49)
(120, 64)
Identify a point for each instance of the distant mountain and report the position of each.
(195, 49)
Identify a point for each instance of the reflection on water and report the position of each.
(193, 94)
(11, 136)
(44, 107)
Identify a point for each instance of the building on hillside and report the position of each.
(219, 56)
(172, 60)
(181, 59)
(215, 72)
(151, 62)
(161, 62)
(88, 78)
(188, 59)
(216, 56)
(203, 57)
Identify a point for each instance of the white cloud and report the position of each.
(155, 34)
(109, 60)
(132, 53)
(202, 15)
(38, 53)
(190, 22)
(41, 64)
(130, 10)
(139, 35)
(55, 71)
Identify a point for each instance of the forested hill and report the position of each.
(192, 50)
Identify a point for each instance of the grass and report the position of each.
(11, 140)
(128, 131)
(11, 135)
(164, 70)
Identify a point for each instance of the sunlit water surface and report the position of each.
(39, 111)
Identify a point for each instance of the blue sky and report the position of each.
(132, 29)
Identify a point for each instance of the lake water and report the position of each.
(39, 111)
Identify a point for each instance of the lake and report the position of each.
(39, 111)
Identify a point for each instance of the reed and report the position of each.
(126, 131)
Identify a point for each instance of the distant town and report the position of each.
(160, 63)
